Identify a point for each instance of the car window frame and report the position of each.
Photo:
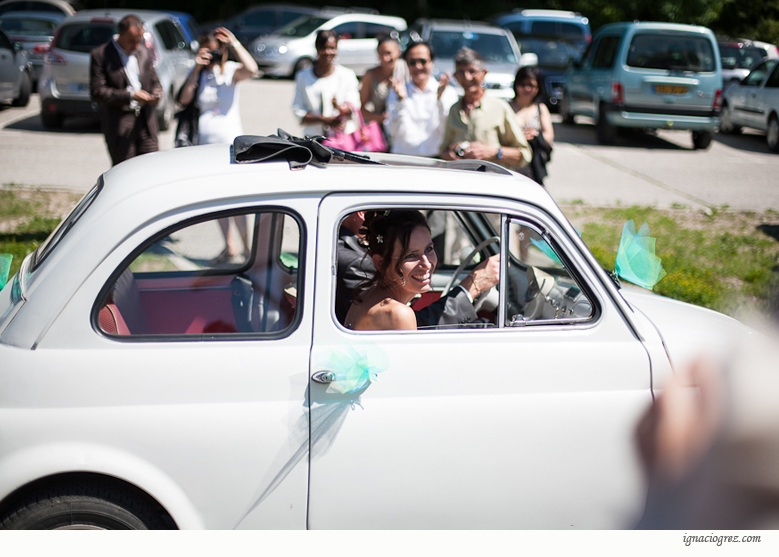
(538, 219)
(102, 296)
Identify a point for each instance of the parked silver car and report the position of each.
(286, 52)
(497, 45)
(64, 81)
(15, 73)
(754, 103)
(35, 31)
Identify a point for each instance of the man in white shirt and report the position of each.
(417, 110)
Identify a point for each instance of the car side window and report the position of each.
(755, 77)
(165, 29)
(605, 52)
(541, 289)
(188, 283)
(773, 80)
(350, 30)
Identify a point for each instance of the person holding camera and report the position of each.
(480, 126)
(212, 84)
(123, 81)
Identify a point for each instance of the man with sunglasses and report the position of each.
(417, 110)
(480, 126)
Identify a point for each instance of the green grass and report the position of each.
(26, 219)
(726, 261)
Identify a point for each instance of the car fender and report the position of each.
(47, 459)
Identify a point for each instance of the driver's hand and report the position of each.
(485, 276)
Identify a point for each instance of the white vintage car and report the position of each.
(147, 381)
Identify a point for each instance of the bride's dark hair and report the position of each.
(381, 229)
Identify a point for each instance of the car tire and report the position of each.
(93, 506)
(165, 118)
(565, 113)
(25, 90)
(302, 64)
(772, 133)
(726, 121)
(52, 120)
(606, 133)
(702, 140)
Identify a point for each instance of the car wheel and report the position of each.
(25, 90)
(702, 140)
(605, 131)
(52, 120)
(772, 133)
(565, 113)
(93, 506)
(166, 114)
(726, 121)
(302, 64)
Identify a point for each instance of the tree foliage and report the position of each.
(756, 19)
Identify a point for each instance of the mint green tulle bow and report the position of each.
(636, 259)
(5, 268)
(354, 366)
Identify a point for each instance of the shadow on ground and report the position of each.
(74, 124)
(583, 133)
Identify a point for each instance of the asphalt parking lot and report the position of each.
(660, 169)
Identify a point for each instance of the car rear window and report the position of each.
(48, 245)
(671, 51)
(494, 48)
(744, 58)
(84, 36)
(28, 27)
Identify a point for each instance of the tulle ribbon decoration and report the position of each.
(5, 268)
(636, 259)
(354, 367)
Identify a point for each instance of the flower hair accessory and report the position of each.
(386, 213)
(379, 238)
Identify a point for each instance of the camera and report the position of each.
(216, 55)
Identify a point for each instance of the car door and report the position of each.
(353, 47)
(191, 375)
(746, 104)
(9, 73)
(769, 96)
(527, 422)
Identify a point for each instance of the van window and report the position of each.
(605, 52)
(667, 51)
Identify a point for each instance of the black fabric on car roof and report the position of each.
(298, 152)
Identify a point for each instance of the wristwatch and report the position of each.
(500, 153)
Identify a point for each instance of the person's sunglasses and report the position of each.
(418, 62)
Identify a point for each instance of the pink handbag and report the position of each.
(369, 137)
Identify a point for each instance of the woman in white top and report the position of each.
(212, 83)
(326, 93)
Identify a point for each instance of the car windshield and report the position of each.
(734, 57)
(494, 48)
(29, 27)
(552, 53)
(84, 36)
(671, 51)
(303, 26)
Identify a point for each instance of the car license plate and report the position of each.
(670, 89)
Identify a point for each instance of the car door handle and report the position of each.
(323, 377)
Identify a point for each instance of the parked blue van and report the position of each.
(648, 75)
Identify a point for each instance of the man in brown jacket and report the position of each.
(123, 81)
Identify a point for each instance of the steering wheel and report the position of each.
(465, 262)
